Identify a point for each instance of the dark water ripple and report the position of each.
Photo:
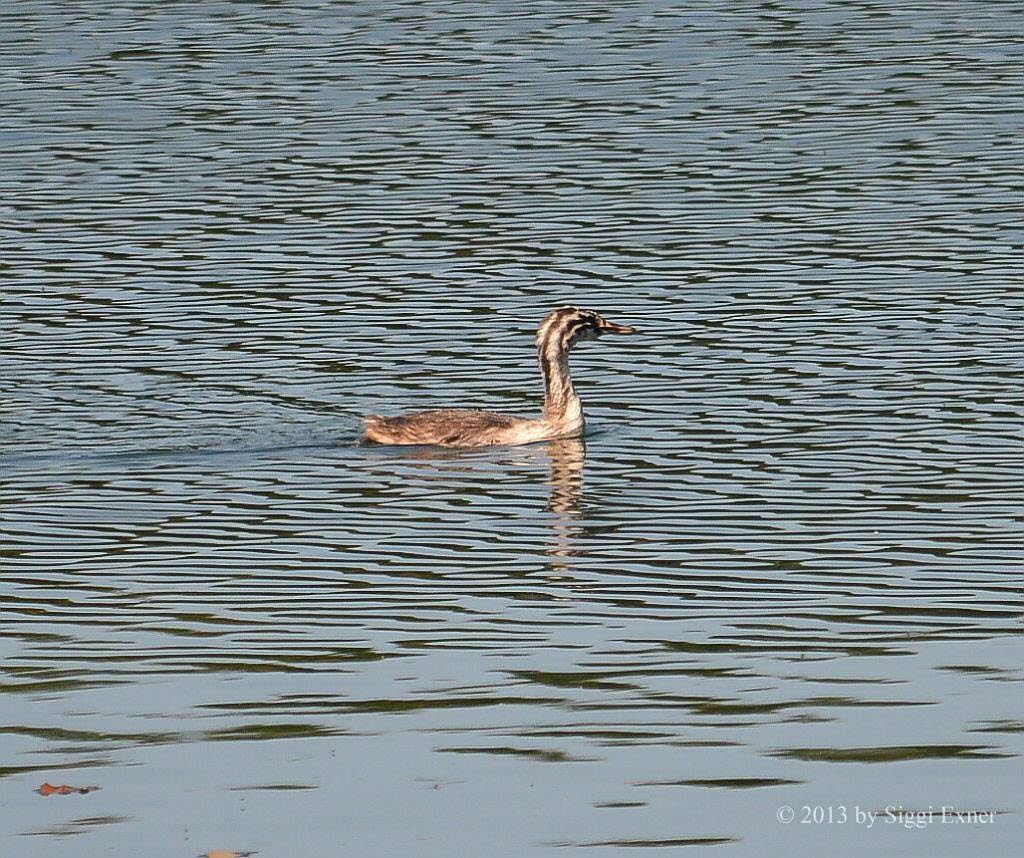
(782, 569)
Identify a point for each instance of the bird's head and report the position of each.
(566, 326)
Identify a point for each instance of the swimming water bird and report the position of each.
(563, 414)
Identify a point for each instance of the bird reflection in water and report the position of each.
(567, 458)
(565, 501)
(564, 458)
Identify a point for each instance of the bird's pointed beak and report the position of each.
(611, 328)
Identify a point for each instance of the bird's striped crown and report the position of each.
(564, 327)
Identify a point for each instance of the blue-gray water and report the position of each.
(784, 569)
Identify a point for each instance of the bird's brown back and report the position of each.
(449, 426)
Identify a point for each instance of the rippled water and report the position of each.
(783, 568)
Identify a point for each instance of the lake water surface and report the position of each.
(783, 569)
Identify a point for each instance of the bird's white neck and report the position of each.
(562, 407)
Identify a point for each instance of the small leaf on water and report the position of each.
(64, 789)
(225, 853)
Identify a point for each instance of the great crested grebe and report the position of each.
(562, 417)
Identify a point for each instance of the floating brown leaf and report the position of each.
(64, 789)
